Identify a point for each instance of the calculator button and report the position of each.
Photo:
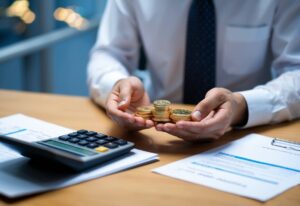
(101, 149)
(121, 142)
(73, 134)
(83, 142)
(100, 136)
(91, 139)
(82, 131)
(64, 137)
(110, 139)
(82, 136)
(92, 145)
(74, 140)
(101, 141)
(91, 133)
(111, 145)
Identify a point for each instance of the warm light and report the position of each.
(28, 17)
(69, 16)
(20, 8)
(80, 24)
(72, 18)
(61, 13)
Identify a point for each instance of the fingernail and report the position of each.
(197, 115)
(122, 102)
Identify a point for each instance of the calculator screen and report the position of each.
(69, 148)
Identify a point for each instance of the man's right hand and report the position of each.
(126, 95)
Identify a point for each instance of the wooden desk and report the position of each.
(137, 186)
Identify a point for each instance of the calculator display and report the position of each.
(69, 148)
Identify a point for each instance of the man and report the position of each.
(238, 61)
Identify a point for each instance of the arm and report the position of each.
(115, 53)
(276, 101)
(279, 99)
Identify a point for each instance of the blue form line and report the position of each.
(258, 162)
(236, 173)
(21, 130)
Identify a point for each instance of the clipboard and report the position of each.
(286, 144)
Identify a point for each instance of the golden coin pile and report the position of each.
(161, 112)
(181, 114)
(144, 112)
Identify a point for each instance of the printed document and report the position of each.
(255, 166)
(19, 177)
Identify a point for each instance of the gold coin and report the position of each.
(161, 119)
(143, 115)
(145, 109)
(181, 112)
(177, 120)
(180, 117)
(161, 103)
(160, 113)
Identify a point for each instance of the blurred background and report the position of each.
(45, 44)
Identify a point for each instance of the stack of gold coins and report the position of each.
(161, 112)
(180, 115)
(144, 112)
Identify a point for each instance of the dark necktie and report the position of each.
(200, 58)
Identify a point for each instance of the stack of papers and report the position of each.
(18, 177)
(254, 166)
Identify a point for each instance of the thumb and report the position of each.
(201, 110)
(208, 104)
(125, 89)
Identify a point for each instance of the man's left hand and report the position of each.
(212, 117)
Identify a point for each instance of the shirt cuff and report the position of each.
(259, 104)
(105, 85)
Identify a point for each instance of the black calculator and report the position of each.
(78, 150)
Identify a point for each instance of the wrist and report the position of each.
(241, 110)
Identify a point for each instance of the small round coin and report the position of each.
(161, 103)
(144, 109)
(161, 119)
(181, 112)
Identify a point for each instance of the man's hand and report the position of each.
(126, 95)
(212, 117)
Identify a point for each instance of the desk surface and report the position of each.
(137, 186)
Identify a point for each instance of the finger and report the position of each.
(142, 124)
(159, 127)
(183, 134)
(219, 122)
(149, 123)
(218, 125)
(113, 111)
(133, 126)
(201, 130)
(167, 127)
(212, 101)
(186, 134)
(125, 93)
(195, 127)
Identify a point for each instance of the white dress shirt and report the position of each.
(258, 52)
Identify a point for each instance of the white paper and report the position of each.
(19, 177)
(250, 167)
(28, 129)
